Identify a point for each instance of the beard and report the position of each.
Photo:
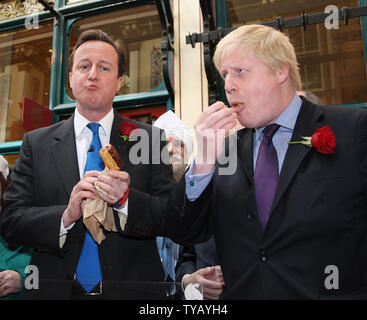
(178, 168)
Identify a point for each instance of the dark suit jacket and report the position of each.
(42, 180)
(196, 257)
(318, 216)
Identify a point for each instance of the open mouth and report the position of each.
(236, 106)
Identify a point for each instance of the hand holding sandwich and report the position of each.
(114, 185)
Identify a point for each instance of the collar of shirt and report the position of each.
(287, 121)
(80, 124)
(83, 136)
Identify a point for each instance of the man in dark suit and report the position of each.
(291, 221)
(199, 264)
(43, 205)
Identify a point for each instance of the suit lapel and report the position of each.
(245, 147)
(63, 148)
(116, 140)
(306, 124)
(122, 147)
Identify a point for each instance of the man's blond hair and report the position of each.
(270, 46)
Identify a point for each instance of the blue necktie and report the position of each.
(266, 174)
(88, 271)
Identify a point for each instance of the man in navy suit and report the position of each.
(300, 230)
(43, 204)
(199, 264)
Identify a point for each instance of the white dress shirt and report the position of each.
(83, 139)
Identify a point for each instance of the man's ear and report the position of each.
(119, 84)
(70, 75)
(283, 73)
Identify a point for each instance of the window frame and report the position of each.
(222, 22)
(60, 103)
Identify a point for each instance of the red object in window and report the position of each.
(35, 115)
(152, 111)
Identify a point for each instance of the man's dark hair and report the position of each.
(99, 35)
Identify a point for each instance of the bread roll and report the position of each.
(110, 157)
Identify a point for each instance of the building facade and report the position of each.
(166, 68)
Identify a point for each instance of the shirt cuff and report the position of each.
(122, 214)
(64, 230)
(196, 184)
(182, 282)
(123, 209)
(63, 233)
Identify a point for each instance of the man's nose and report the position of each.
(229, 85)
(170, 148)
(93, 73)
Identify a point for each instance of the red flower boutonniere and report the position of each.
(125, 130)
(323, 140)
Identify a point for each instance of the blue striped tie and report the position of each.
(88, 271)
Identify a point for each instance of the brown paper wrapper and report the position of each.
(97, 213)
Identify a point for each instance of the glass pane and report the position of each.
(73, 1)
(25, 67)
(332, 61)
(138, 31)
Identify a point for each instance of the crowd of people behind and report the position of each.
(265, 232)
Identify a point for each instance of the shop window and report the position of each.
(25, 68)
(144, 114)
(332, 61)
(138, 31)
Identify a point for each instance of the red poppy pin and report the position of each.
(125, 130)
(323, 140)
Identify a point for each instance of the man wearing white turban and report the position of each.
(179, 145)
